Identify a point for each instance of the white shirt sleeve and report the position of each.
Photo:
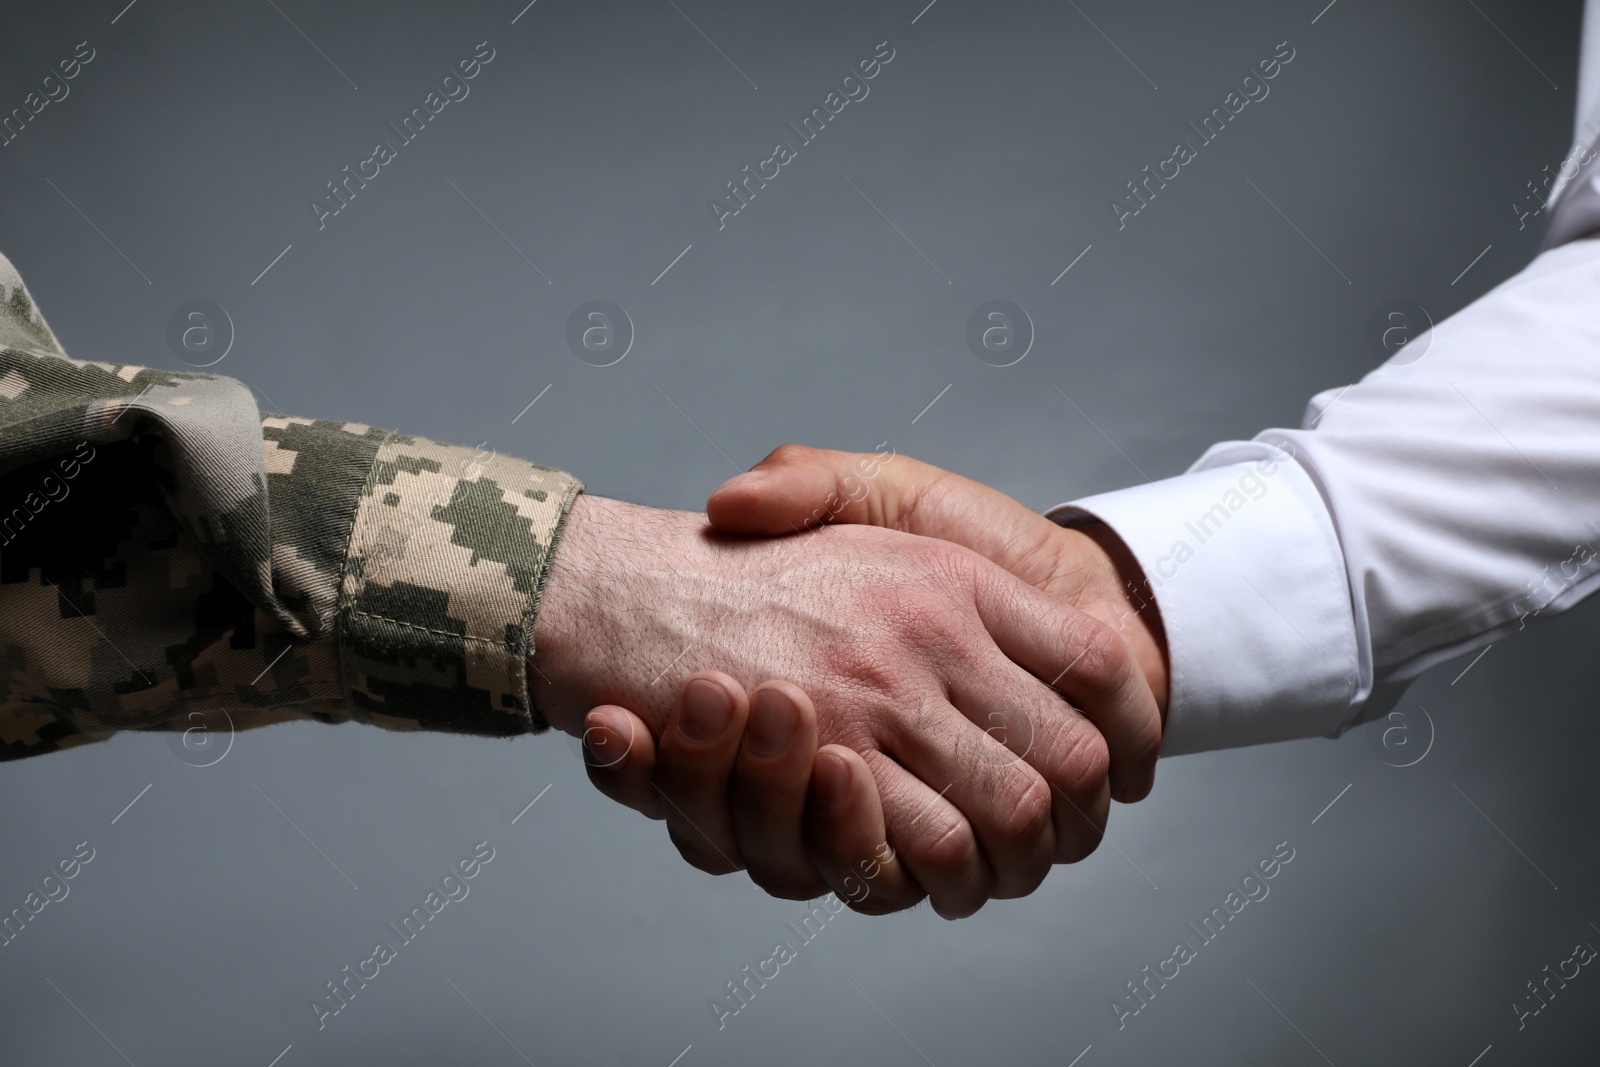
(1305, 577)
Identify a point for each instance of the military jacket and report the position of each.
(172, 556)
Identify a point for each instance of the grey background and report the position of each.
(1396, 141)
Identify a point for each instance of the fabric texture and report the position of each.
(1424, 512)
(1306, 577)
(1249, 577)
(166, 551)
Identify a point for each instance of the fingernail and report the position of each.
(706, 711)
(594, 741)
(755, 477)
(830, 781)
(773, 722)
(603, 746)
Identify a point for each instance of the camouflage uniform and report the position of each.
(167, 550)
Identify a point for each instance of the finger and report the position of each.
(1031, 724)
(1005, 802)
(934, 840)
(768, 791)
(796, 487)
(693, 765)
(620, 756)
(1085, 660)
(848, 838)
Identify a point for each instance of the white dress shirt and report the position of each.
(1444, 501)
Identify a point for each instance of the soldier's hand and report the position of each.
(1087, 566)
(927, 661)
(758, 795)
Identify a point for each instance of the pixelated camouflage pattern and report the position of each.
(446, 561)
(165, 550)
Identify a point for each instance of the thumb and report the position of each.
(797, 488)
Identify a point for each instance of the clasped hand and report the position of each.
(952, 688)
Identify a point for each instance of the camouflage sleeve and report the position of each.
(170, 558)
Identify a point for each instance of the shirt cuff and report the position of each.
(1250, 581)
(449, 550)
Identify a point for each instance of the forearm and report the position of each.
(1305, 577)
(165, 548)
(408, 569)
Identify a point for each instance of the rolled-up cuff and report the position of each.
(1250, 580)
(449, 550)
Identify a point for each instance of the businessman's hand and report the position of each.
(1087, 566)
(906, 644)
(735, 787)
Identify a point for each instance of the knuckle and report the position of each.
(790, 453)
(1073, 758)
(921, 625)
(947, 848)
(1086, 762)
(904, 724)
(864, 662)
(938, 628)
(1027, 837)
(1028, 815)
(1082, 825)
(883, 700)
(949, 563)
(1100, 658)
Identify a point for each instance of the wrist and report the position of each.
(1114, 590)
(559, 627)
(611, 617)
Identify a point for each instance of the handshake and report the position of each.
(934, 684)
